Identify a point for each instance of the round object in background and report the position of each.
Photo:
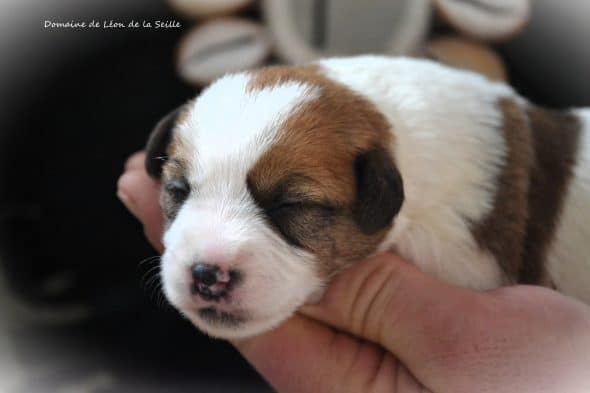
(305, 30)
(463, 53)
(220, 47)
(489, 20)
(208, 8)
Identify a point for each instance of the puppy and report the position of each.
(275, 180)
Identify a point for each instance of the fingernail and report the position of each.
(128, 202)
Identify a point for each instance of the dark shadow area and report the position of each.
(67, 242)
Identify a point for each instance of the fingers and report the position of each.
(525, 339)
(140, 194)
(135, 162)
(303, 355)
(388, 301)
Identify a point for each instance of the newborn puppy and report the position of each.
(275, 180)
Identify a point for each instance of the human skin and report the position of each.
(384, 326)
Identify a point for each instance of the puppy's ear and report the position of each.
(158, 143)
(380, 191)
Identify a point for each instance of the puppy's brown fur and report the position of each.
(317, 149)
(541, 149)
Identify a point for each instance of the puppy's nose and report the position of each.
(210, 282)
(205, 274)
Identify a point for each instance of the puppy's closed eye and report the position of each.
(298, 220)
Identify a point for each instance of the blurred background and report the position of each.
(80, 307)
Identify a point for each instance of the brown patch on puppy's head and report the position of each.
(328, 184)
(162, 144)
(164, 163)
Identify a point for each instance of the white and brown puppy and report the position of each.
(276, 179)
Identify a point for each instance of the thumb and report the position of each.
(140, 194)
(388, 301)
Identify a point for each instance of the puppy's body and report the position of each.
(290, 174)
(456, 135)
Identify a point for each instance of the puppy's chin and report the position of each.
(229, 323)
(234, 325)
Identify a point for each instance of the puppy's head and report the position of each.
(271, 182)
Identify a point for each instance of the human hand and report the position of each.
(385, 326)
